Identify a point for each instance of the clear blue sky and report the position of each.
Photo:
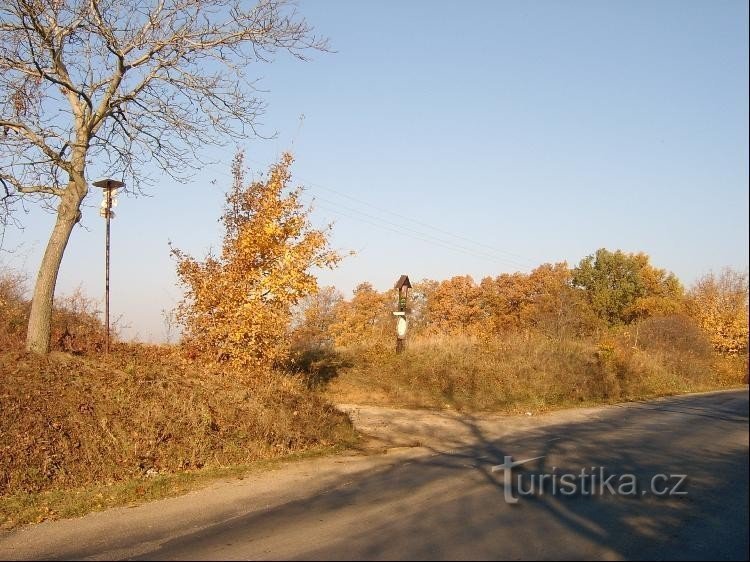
(541, 130)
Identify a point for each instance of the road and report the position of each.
(434, 494)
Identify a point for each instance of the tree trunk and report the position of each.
(40, 317)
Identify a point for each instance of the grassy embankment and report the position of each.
(82, 433)
(530, 372)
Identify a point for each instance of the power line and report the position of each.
(495, 250)
(402, 233)
(415, 234)
(425, 236)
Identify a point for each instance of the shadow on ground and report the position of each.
(317, 366)
(451, 505)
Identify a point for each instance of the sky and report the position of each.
(478, 138)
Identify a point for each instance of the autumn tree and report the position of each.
(418, 305)
(719, 303)
(544, 299)
(315, 315)
(365, 319)
(118, 85)
(13, 307)
(623, 287)
(238, 304)
(455, 307)
(504, 300)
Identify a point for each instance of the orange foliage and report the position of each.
(317, 312)
(720, 305)
(238, 305)
(543, 299)
(365, 319)
(455, 306)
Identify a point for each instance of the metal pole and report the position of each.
(106, 266)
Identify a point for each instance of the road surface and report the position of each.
(434, 494)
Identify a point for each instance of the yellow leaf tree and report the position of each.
(312, 322)
(364, 320)
(720, 305)
(454, 307)
(544, 299)
(238, 304)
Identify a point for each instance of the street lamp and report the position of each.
(110, 187)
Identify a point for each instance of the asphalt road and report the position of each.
(428, 502)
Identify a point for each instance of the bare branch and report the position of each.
(126, 83)
(37, 140)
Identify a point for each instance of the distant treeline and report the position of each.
(605, 290)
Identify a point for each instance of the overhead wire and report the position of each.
(420, 235)
(400, 229)
(512, 257)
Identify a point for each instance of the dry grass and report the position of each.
(81, 431)
(72, 421)
(523, 372)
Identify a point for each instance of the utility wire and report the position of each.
(516, 257)
(405, 231)
(422, 235)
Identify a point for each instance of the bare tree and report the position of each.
(122, 83)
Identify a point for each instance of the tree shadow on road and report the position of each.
(451, 505)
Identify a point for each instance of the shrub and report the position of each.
(518, 372)
(76, 325)
(719, 303)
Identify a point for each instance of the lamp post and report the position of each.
(109, 186)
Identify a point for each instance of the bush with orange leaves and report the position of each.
(720, 305)
(238, 305)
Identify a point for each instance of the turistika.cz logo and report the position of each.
(590, 481)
